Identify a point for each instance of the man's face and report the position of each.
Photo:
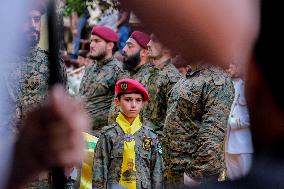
(154, 48)
(233, 71)
(98, 48)
(131, 53)
(32, 27)
(130, 104)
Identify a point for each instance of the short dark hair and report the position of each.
(122, 93)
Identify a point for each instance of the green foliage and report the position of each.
(79, 5)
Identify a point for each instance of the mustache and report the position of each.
(32, 30)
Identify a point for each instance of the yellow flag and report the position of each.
(87, 165)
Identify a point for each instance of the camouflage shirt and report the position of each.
(27, 81)
(196, 122)
(109, 155)
(159, 85)
(142, 75)
(27, 85)
(97, 90)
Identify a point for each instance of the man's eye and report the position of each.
(36, 18)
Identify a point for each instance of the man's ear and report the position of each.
(116, 102)
(144, 53)
(110, 45)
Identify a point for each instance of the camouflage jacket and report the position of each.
(27, 81)
(142, 75)
(97, 90)
(159, 85)
(109, 155)
(27, 84)
(196, 122)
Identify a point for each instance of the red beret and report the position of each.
(141, 38)
(105, 33)
(131, 86)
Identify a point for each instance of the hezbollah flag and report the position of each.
(87, 165)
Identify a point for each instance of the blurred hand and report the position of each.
(51, 137)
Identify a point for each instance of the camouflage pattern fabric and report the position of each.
(159, 85)
(27, 85)
(195, 126)
(27, 81)
(97, 90)
(109, 155)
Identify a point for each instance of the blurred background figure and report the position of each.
(78, 20)
(123, 27)
(239, 147)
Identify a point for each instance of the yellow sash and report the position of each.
(128, 169)
(87, 165)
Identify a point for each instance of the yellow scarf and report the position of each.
(87, 166)
(128, 169)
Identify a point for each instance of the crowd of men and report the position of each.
(189, 112)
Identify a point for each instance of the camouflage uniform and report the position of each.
(109, 155)
(27, 85)
(97, 90)
(27, 81)
(195, 126)
(159, 85)
(142, 75)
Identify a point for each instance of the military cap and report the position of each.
(105, 33)
(131, 86)
(141, 38)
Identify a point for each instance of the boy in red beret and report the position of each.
(128, 153)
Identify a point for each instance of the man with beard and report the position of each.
(97, 86)
(159, 84)
(136, 62)
(28, 74)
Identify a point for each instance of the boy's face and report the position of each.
(130, 104)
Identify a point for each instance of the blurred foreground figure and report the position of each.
(51, 136)
(200, 34)
(264, 78)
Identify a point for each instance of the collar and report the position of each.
(126, 126)
(164, 64)
(104, 62)
(194, 69)
(138, 68)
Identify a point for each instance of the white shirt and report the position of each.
(239, 136)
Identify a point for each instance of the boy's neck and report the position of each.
(130, 120)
